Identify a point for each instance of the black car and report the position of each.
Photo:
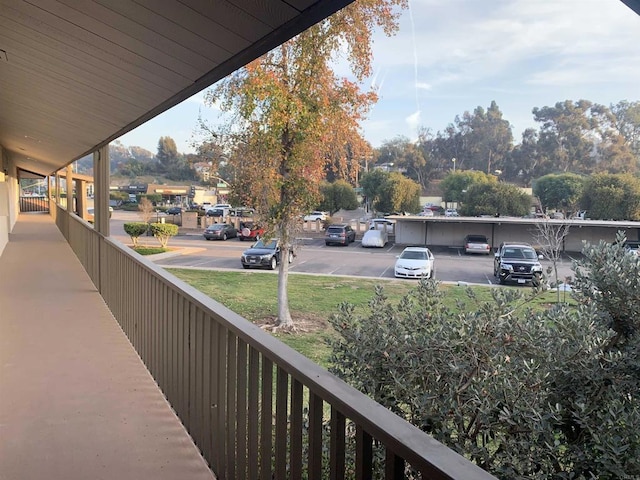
(264, 255)
(174, 211)
(220, 231)
(215, 212)
(339, 234)
(517, 262)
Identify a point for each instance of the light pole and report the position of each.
(454, 164)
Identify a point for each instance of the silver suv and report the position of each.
(517, 262)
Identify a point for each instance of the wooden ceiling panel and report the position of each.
(75, 75)
(85, 46)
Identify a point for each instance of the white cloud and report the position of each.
(465, 53)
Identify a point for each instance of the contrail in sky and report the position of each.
(415, 58)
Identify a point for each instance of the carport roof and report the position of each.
(76, 75)
(517, 220)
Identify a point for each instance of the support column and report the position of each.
(57, 184)
(101, 179)
(69, 182)
(81, 197)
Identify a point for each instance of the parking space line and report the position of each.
(385, 271)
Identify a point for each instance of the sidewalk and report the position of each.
(76, 402)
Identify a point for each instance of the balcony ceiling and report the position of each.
(75, 75)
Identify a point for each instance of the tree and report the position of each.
(171, 163)
(407, 157)
(524, 159)
(617, 141)
(493, 198)
(481, 140)
(135, 230)
(373, 185)
(559, 191)
(338, 195)
(293, 116)
(550, 242)
(627, 123)
(565, 143)
(399, 194)
(145, 207)
(489, 138)
(163, 232)
(455, 185)
(612, 197)
(524, 393)
(167, 155)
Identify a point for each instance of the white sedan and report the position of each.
(375, 238)
(415, 262)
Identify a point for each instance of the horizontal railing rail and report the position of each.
(255, 407)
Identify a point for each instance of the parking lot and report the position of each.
(314, 257)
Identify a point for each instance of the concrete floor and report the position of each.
(76, 402)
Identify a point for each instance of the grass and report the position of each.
(143, 250)
(312, 299)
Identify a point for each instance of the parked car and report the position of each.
(382, 223)
(451, 212)
(175, 211)
(91, 214)
(264, 255)
(340, 234)
(218, 210)
(250, 231)
(517, 262)
(220, 231)
(315, 216)
(426, 213)
(477, 244)
(241, 212)
(415, 262)
(215, 212)
(632, 246)
(375, 238)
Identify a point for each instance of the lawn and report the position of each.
(312, 299)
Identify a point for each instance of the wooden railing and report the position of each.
(255, 407)
(34, 203)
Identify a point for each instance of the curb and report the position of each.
(175, 253)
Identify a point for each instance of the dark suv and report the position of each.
(517, 262)
(341, 234)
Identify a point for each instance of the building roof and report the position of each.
(76, 75)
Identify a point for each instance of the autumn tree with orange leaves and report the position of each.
(288, 118)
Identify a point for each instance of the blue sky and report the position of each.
(451, 56)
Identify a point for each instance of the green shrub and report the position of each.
(135, 230)
(523, 393)
(129, 207)
(163, 232)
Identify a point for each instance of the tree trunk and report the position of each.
(284, 315)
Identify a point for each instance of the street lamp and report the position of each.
(454, 164)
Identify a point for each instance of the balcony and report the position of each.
(120, 370)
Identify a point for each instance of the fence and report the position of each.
(254, 407)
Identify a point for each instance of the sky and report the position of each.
(451, 56)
